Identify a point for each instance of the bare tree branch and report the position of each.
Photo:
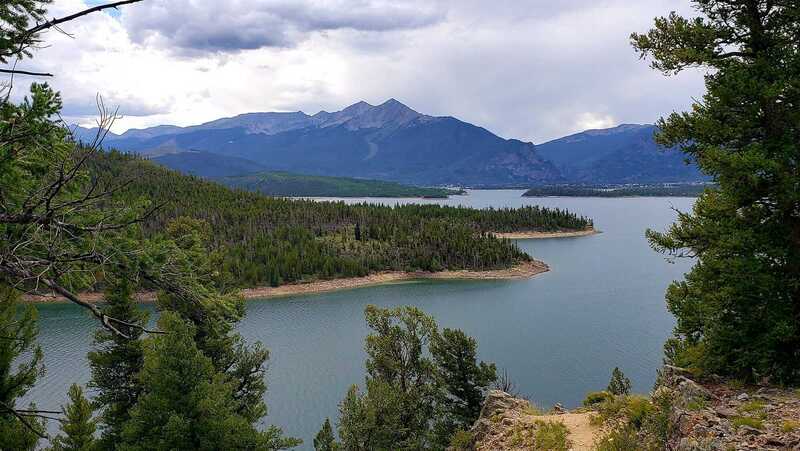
(23, 420)
(25, 72)
(55, 22)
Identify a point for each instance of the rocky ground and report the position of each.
(713, 415)
(508, 423)
(710, 415)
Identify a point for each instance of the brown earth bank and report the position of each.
(521, 271)
(532, 235)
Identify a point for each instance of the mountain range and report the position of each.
(393, 142)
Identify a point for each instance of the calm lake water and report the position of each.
(558, 335)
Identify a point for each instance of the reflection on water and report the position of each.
(558, 334)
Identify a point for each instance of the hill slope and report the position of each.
(624, 154)
(276, 183)
(264, 240)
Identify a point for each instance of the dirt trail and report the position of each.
(581, 432)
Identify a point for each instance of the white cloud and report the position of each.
(532, 70)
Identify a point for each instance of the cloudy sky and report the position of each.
(527, 69)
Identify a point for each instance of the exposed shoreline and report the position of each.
(523, 270)
(533, 235)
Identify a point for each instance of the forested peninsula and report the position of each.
(266, 241)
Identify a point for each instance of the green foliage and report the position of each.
(462, 440)
(789, 426)
(596, 397)
(620, 439)
(462, 382)
(18, 331)
(116, 362)
(273, 241)
(740, 421)
(638, 410)
(280, 183)
(738, 310)
(755, 409)
(619, 384)
(659, 190)
(186, 403)
(413, 401)
(17, 16)
(551, 436)
(77, 426)
(324, 440)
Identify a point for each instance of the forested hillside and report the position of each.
(279, 183)
(264, 240)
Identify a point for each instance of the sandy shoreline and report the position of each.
(521, 271)
(531, 235)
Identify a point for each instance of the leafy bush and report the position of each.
(596, 397)
(638, 410)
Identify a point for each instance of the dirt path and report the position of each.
(581, 432)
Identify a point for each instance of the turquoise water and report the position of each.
(558, 335)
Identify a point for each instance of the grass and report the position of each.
(461, 441)
(696, 404)
(790, 426)
(531, 409)
(755, 423)
(754, 409)
(551, 436)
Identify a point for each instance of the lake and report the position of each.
(558, 335)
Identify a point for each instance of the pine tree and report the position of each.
(116, 363)
(462, 382)
(325, 441)
(187, 404)
(619, 385)
(78, 426)
(738, 310)
(18, 333)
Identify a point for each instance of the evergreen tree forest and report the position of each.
(264, 240)
(745, 134)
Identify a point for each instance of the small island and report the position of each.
(632, 190)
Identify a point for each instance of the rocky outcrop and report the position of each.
(713, 415)
(507, 423)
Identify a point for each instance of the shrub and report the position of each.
(461, 441)
(596, 397)
(623, 439)
(551, 436)
(638, 410)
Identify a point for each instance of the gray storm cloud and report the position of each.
(193, 26)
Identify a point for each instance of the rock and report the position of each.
(497, 402)
(747, 430)
(689, 391)
(774, 441)
(725, 412)
(743, 397)
(558, 409)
